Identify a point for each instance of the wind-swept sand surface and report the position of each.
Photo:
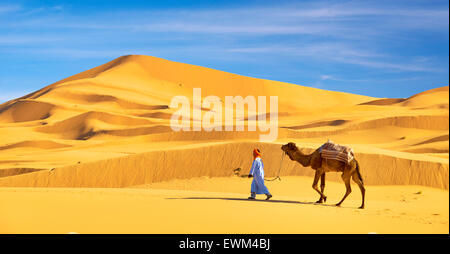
(220, 205)
(103, 136)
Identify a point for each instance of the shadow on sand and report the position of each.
(260, 200)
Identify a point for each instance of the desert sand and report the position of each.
(94, 153)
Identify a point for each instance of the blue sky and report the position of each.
(376, 48)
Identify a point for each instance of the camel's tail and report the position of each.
(359, 172)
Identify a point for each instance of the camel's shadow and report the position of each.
(261, 200)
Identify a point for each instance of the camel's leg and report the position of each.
(316, 181)
(358, 181)
(346, 177)
(322, 189)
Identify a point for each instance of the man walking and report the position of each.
(257, 172)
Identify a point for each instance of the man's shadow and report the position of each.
(260, 200)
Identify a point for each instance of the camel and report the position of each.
(321, 166)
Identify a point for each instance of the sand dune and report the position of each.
(68, 95)
(426, 98)
(429, 122)
(383, 102)
(110, 127)
(39, 144)
(79, 126)
(91, 105)
(219, 160)
(17, 171)
(25, 110)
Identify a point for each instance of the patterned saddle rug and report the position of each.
(333, 151)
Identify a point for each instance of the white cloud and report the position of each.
(387, 65)
(344, 53)
(325, 77)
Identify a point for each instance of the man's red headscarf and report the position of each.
(256, 153)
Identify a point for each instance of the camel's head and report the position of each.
(289, 148)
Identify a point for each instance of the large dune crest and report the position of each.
(110, 127)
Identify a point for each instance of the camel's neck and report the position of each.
(303, 159)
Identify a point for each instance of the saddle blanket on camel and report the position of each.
(333, 151)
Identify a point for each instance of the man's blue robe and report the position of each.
(257, 171)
